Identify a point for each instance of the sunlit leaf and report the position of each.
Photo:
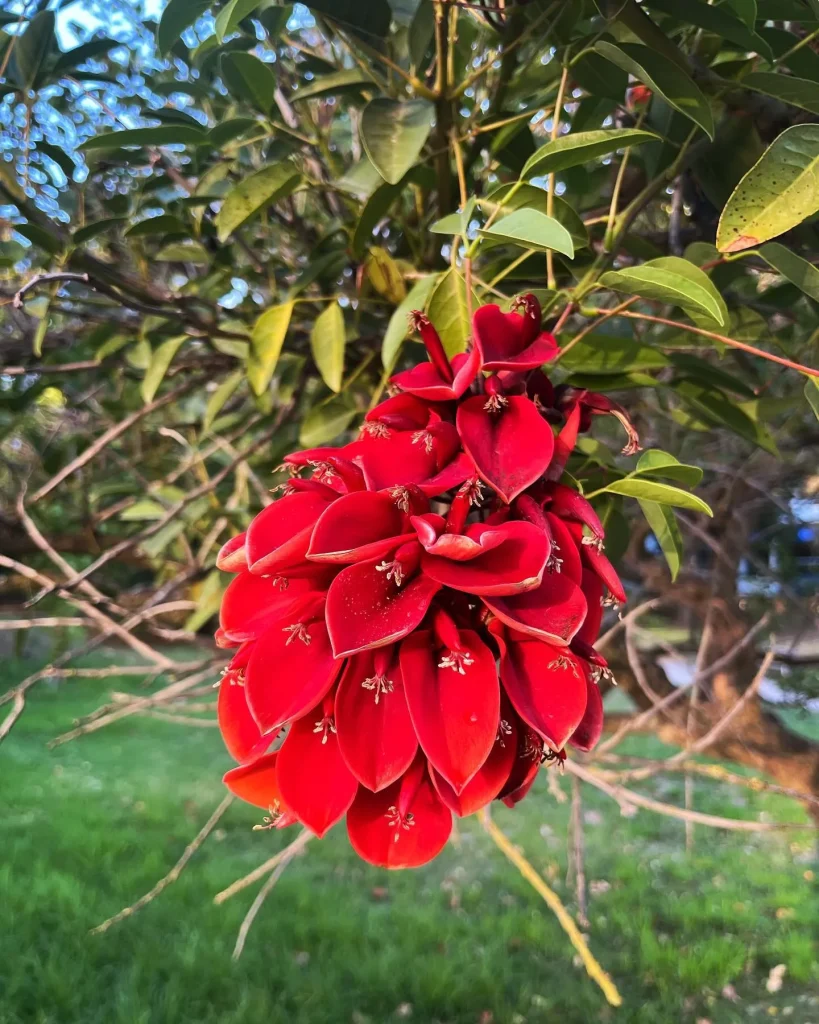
(262, 188)
(571, 150)
(327, 341)
(161, 360)
(398, 328)
(666, 529)
(220, 397)
(675, 281)
(393, 134)
(531, 229)
(797, 270)
(449, 311)
(655, 462)
(663, 494)
(266, 343)
(326, 421)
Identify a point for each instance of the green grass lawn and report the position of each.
(90, 826)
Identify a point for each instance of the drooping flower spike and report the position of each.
(414, 618)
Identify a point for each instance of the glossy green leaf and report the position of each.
(218, 399)
(599, 77)
(663, 494)
(32, 48)
(226, 131)
(812, 394)
(655, 462)
(398, 328)
(232, 13)
(183, 252)
(581, 147)
(250, 79)
(778, 193)
(799, 92)
(666, 529)
(327, 341)
(664, 77)
(160, 135)
(448, 310)
(745, 10)
(164, 224)
(532, 197)
(797, 270)
(374, 211)
(161, 359)
(394, 133)
(266, 342)
(420, 32)
(349, 79)
(177, 16)
(715, 408)
(675, 281)
(717, 20)
(369, 19)
(606, 354)
(531, 229)
(326, 421)
(384, 274)
(262, 188)
(88, 231)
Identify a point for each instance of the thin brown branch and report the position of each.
(173, 874)
(287, 853)
(264, 892)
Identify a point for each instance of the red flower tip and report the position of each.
(423, 644)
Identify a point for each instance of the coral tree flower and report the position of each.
(414, 618)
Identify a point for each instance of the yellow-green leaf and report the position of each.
(449, 312)
(257, 190)
(219, 397)
(158, 366)
(666, 529)
(266, 343)
(327, 340)
(385, 275)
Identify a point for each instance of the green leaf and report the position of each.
(266, 342)
(164, 224)
(183, 252)
(581, 147)
(250, 79)
(812, 394)
(535, 198)
(393, 134)
(798, 271)
(655, 462)
(88, 231)
(327, 340)
(666, 529)
(779, 191)
(262, 188)
(675, 281)
(375, 209)
(80, 54)
(209, 602)
(799, 92)
(326, 421)
(32, 48)
(226, 131)
(143, 511)
(604, 354)
(347, 80)
(398, 328)
(161, 359)
(716, 20)
(231, 14)
(532, 229)
(663, 494)
(420, 32)
(385, 275)
(159, 135)
(664, 77)
(177, 16)
(713, 407)
(599, 77)
(449, 225)
(219, 397)
(745, 10)
(448, 310)
(369, 19)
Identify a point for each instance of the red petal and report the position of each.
(528, 758)
(564, 444)
(546, 685)
(258, 784)
(232, 556)
(511, 448)
(286, 676)
(593, 590)
(587, 734)
(458, 547)
(358, 527)
(598, 562)
(506, 341)
(490, 778)
(452, 475)
(279, 536)
(403, 826)
(424, 380)
(513, 566)
(241, 735)
(375, 732)
(568, 504)
(315, 782)
(251, 604)
(565, 549)
(365, 609)
(455, 708)
(554, 612)
(401, 412)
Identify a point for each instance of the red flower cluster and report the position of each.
(422, 645)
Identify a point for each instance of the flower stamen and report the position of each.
(378, 684)
(326, 726)
(297, 631)
(399, 821)
(563, 662)
(271, 819)
(424, 437)
(458, 661)
(504, 730)
(394, 570)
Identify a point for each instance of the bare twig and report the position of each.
(173, 874)
(287, 853)
(264, 892)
